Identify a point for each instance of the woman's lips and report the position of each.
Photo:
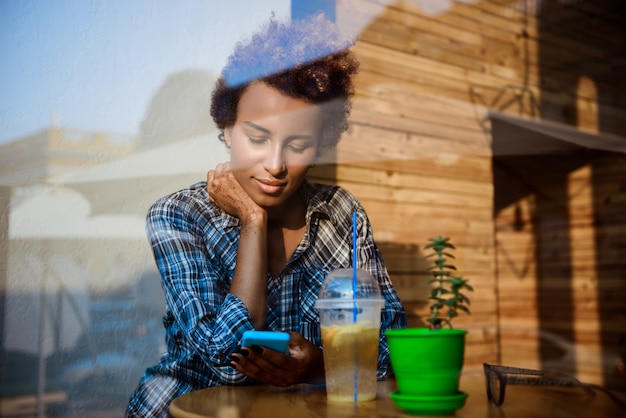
(270, 186)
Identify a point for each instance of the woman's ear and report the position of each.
(227, 135)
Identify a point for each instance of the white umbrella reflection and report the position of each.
(131, 184)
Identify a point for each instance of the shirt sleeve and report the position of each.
(208, 321)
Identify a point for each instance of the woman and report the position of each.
(250, 247)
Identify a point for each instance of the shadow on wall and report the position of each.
(589, 98)
(407, 268)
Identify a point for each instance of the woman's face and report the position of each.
(272, 144)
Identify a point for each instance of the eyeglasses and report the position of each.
(496, 378)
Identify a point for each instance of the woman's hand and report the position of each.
(304, 364)
(225, 191)
(249, 282)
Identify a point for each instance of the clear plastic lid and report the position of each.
(337, 290)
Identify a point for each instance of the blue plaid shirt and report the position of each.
(195, 247)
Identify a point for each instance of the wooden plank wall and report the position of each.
(419, 159)
(418, 154)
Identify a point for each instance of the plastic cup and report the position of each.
(350, 333)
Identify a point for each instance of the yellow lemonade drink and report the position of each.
(349, 305)
(350, 361)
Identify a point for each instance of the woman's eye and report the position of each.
(298, 150)
(257, 140)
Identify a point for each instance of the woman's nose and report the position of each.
(275, 161)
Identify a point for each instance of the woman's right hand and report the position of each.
(225, 191)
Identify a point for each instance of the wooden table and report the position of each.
(306, 401)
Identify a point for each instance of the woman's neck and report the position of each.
(290, 215)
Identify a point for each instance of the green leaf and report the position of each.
(463, 308)
(438, 292)
(435, 322)
(436, 306)
(464, 299)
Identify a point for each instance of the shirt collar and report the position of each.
(317, 205)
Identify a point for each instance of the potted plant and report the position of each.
(427, 362)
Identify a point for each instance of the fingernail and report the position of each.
(233, 358)
(257, 349)
(244, 353)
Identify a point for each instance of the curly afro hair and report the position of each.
(303, 59)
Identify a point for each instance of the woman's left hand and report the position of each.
(303, 364)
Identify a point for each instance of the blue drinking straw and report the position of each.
(355, 384)
(354, 266)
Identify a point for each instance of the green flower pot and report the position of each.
(427, 365)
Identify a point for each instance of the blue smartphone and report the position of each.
(275, 340)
